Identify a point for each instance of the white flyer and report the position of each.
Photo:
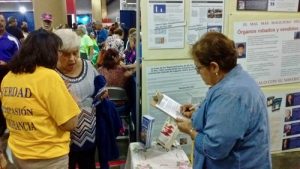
(166, 24)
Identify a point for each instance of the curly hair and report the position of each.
(215, 47)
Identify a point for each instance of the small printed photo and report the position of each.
(276, 104)
(287, 130)
(289, 100)
(297, 35)
(241, 5)
(159, 40)
(214, 13)
(214, 28)
(270, 100)
(288, 116)
(241, 49)
(290, 143)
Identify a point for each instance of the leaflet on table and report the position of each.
(168, 134)
(146, 133)
(167, 105)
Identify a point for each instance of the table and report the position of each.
(156, 157)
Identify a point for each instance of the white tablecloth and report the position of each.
(156, 158)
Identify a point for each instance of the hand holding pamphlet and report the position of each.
(167, 105)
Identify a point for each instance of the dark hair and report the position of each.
(40, 48)
(215, 47)
(241, 45)
(109, 58)
(11, 19)
(118, 31)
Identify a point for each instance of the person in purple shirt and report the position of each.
(230, 128)
(9, 45)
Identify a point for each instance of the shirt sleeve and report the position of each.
(61, 105)
(226, 123)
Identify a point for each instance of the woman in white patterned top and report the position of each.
(79, 74)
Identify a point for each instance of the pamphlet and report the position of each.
(167, 105)
(146, 133)
(168, 134)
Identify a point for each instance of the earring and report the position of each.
(217, 74)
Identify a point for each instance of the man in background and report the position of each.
(12, 28)
(47, 22)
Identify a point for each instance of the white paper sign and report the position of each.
(166, 24)
(269, 50)
(205, 16)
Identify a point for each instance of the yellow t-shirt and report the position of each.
(34, 105)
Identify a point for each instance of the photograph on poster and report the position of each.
(287, 130)
(261, 5)
(270, 100)
(289, 100)
(276, 104)
(241, 4)
(214, 13)
(241, 50)
(288, 115)
(291, 143)
(291, 129)
(297, 35)
(214, 28)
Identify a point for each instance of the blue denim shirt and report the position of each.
(232, 125)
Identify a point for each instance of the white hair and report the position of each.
(82, 28)
(69, 38)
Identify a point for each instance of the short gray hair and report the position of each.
(69, 38)
(82, 28)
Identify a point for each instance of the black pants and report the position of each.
(84, 159)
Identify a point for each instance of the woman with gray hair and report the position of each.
(79, 75)
(86, 43)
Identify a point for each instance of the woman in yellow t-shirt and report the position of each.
(38, 108)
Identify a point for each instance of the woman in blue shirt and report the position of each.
(230, 128)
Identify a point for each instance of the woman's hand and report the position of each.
(187, 110)
(184, 125)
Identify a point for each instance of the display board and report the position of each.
(269, 49)
(283, 103)
(271, 55)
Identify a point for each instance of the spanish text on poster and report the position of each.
(269, 50)
(284, 118)
(166, 24)
(205, 16)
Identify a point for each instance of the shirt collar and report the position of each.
(238, 68)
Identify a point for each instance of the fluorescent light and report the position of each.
(22, 9)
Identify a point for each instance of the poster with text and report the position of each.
(166, 24)
(269, 50)
(269, 5)
(284, 119)
(205, 16)
(181, 83)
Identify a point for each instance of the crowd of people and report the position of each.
(58, 113)
(57, 128)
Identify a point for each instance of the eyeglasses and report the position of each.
(198, 68)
